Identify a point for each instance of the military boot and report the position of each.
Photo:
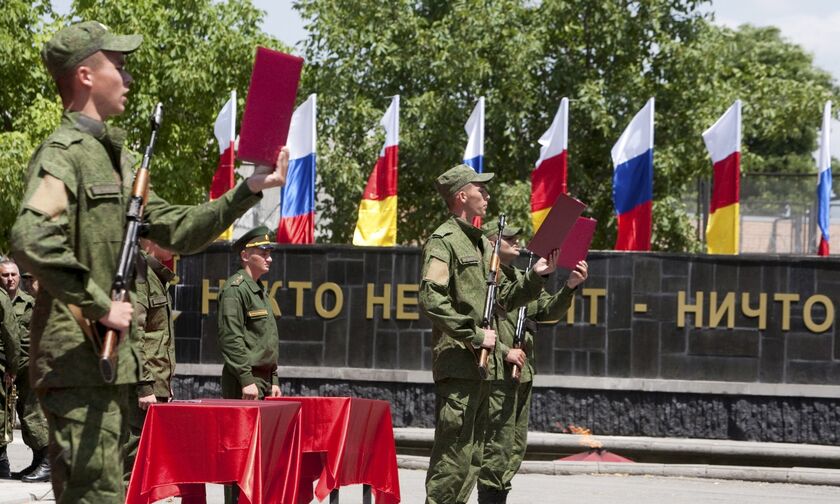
(41, 473)
(491, 496)
(5, 469)
(37, 457)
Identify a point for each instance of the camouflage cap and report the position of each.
(71, 45)
(491, 229)
(257, 237)
(457, 177)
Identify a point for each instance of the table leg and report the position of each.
(366, 498)
(334, 496)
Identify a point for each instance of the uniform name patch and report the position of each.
(258, 313)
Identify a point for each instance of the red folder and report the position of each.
(269, 106)
(557, 225)
(576, 245)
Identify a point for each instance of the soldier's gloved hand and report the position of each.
(489, 339)
(145, 401)
(578, 275)
(516, 356)
(275, 391)
(265, 177)
(547, 265)
(119, 316)
(250, 392)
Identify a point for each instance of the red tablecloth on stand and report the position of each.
(186, 444)
(347, 441)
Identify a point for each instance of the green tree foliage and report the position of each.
(607, 57)
(194, 53)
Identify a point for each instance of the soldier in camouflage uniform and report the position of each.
(32, 422)
(9, 349)
(510, 403)
(68, 234)
(154, 341)
(452, 293)
(247, 328)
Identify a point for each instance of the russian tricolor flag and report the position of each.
(474, 153)
(225, 131)
(548, 180)
(824, 181)
(377, 223)
(723, 141)
(632, 157)
(297, 205)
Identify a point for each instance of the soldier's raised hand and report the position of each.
(578, 275)
(265, 177)
(547, 265)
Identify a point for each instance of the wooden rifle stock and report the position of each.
(108, 350)
(519, 334)
(490, 300)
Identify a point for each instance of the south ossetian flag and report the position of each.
(723, 141)
(297, 200)
(548, 180)
(632, 158)
(377, 223)
(225, 131)
(824, 181)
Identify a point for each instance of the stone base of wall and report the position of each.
(617, 413)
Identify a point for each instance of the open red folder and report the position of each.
(556, 226)
(269, 106)
(576, 245)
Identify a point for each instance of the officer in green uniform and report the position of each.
(247, 329)
(509, 402)
(9, 349)
(32, 422)
(154, 341)
(68, 234)
(452, 294)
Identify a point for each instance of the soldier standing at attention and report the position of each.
(9, 349)
(154, 341)
(247, 328)
(452, 294)
(32, 422)
(68, 233)
(510, 403)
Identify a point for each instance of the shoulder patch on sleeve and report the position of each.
(437, 271)
(49, 197)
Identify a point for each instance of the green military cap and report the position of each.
(257, 237)
(491, 229)
(457, 177)
(26, 274)
(72, 44)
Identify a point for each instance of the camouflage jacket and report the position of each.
(154, 327)
(23, 304)
(8, 335)
(452, 293)
(68, 234)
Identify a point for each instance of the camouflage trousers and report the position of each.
(507, 434)
(87, 426)
(33, 424)
(460, 421)
(135, 419)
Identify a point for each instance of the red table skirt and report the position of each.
(346, 441)
(255, 444)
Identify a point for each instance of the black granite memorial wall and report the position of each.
(670, 318)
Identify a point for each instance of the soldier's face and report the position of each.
(109, 83)
(474, 198)
(9, 277)
(257, 260)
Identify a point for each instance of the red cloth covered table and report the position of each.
(347, 441)
(188, 443)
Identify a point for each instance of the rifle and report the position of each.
(128, 250)
(490, 301)
(519, 334)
